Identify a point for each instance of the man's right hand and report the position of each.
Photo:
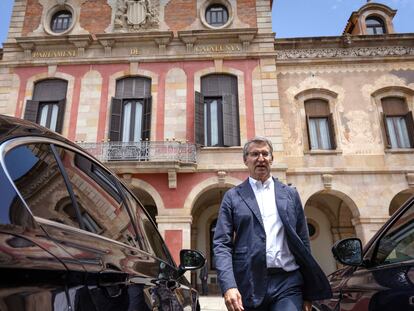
(233, 300)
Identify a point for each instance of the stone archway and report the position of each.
(204, 212)
(399, 200)
(149, 197)
(329, 215)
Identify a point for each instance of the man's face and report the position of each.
(259, 161)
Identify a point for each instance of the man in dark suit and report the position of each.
(261, 242)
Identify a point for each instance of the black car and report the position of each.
(380, 277)
(73, 237)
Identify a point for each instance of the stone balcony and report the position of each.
(145, 156)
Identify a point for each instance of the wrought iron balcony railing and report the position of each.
(142, 151)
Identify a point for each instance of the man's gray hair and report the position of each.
(257, 140)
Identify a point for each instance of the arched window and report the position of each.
(131, 110)
(375, 25)
(48, 104)
(319, 121)
(217, 111)
(398, 123)
(217, 15)
(61, 21)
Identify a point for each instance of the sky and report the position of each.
(296, 18)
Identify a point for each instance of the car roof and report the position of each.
(12, 127)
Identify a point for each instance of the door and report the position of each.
(387, 281)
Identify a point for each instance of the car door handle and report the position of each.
(411, 301)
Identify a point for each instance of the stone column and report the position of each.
(174, 228)
(365, 228)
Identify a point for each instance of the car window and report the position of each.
(36, 175)
(151, 235)
(397, 243)
(101, 207)
(12, 210)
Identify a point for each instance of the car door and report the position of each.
(83, 210)
(174, 291)
(386, 279)
(33, 274)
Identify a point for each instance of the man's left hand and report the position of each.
(307, 305)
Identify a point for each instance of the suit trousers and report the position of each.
(284, 292)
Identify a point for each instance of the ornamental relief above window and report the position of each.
(136, 15)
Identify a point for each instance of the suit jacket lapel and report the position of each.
(281, 202)
(247, 194)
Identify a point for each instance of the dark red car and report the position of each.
(73, 237)
(380, 277)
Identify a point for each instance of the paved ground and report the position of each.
(212, 303)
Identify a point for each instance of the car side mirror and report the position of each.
(348, 251)
(190, 260)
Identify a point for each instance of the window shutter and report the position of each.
(61, 115)
(410, 127)
(308, 131)
(332, 131)
(387, 133)
(146, 118)
(32, 109)
(394, 106)
(50, 90)
(116, 120)
(199, 119)
(230, 121)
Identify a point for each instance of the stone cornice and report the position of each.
(332, 53)
(240, 33)
(50, 40)
(138, 36)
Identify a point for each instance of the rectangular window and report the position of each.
(48, 115)
(397, 131)
(213, 130)
(319, 133)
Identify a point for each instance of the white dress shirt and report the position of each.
(278, 254)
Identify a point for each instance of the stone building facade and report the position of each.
(167, 92)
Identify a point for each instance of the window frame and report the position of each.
(52, 11)
(404, 93)
(207, 121)
(330, 98)
(372, 29)
(372, 247)
(32, 140)
(135, 89)
(207, 4)
(56, 17)
(213, 11)
(41, 98)
(319, 136)
(224, 87)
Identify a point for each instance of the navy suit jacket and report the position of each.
(240, 244)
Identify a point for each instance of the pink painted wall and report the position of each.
(175, 198)
(174, 241)
(106, 70)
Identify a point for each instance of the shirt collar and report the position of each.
(255, 183)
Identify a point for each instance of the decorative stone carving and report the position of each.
(350, 52)
(172, 179)
(221, 177)
(327, 181)
(28, 48)
(359, 130)
(107, 44)
(135, 15)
